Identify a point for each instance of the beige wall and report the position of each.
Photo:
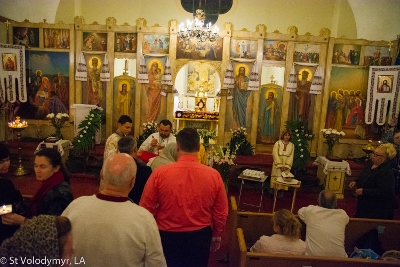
(355, 19)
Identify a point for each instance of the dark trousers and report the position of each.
(187, 249)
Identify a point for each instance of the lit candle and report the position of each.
(205, 94)
(4, 207)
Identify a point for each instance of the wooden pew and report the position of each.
(255, 224)
(253, 259)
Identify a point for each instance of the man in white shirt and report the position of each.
(124, 128)
(108, 229)
(326, 226)
(157, 141)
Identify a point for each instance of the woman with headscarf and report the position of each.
(54, 193)
(167, 155)
(42, 237)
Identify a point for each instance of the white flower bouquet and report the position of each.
(58, 121)
(332, 137)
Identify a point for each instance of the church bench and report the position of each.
(256, 224)
(255, 259)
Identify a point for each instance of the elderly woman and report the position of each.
(54, 193)
(167, 155)
(43, 236)
(282, 154)
(287, 238)
(375, 186)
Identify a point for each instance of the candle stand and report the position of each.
(19, 126)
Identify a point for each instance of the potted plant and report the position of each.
(239, 142)
(300, 137)
(83, 141)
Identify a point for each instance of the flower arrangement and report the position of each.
(206, 135)
(239, 142)
(83, 141)
(223, 159)
(300, 137)
(58, 122)
(332, 137)
(148, 129)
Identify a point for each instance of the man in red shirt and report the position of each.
(189, 203)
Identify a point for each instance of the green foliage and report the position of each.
(206, 135)
(83, 141)
(239, 142)
(148, 129)
(300, 137)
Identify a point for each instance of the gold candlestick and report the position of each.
(19, 126)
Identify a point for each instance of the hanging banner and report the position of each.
(81, 68)
(318, 80)
(383, 95)
(13, 68)
(105, 70)
(143, 73)
(167, 77)
(254, 83)
(291, 85)
(228, 79)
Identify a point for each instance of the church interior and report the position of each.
(256, 67)
(198, 80)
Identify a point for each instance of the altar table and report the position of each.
(61, 146)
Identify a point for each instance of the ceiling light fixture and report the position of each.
(196, 29)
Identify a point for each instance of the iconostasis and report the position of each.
(252, 79)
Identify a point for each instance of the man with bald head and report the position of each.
(326, 226)
(109, 229)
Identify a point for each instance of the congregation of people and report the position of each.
(170, 210)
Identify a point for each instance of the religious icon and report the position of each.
(28, 37)
(155, 44)
(274, 50)
(125, 42)
(9, 62)
(94, 41)
(385, 84)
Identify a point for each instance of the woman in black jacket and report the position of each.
(8, 194)
(54, 194)
(375, 186)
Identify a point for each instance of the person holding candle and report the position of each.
(54, 194)
(9, 195)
